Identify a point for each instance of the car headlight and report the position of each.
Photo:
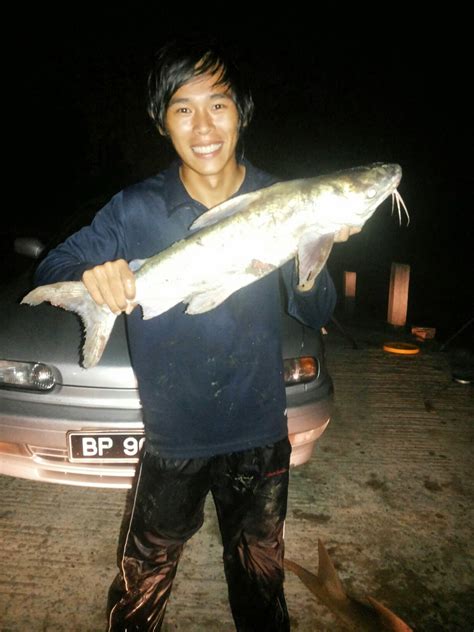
(300, 370)
(26, 375)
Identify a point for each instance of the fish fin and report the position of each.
(356, 615)
(198, 303)
(226, 209)
(327, 574)
(205, 301)
(157, 307)
(313, 252)
(73, 296)
(309, 579)
(389, 620)
(326, 578)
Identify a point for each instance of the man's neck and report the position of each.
(211, 190)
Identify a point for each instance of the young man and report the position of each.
(211, 385)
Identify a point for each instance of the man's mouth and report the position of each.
(203, 150)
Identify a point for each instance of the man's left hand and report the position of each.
(345, 232)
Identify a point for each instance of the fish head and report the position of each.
(351, 196)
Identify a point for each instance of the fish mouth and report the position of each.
(383, 181)
(209, 149)
(377, 182)
(392, 176)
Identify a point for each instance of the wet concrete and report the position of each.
(389, 490)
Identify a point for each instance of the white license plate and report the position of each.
(115, 447)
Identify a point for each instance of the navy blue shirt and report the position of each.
(210, 383)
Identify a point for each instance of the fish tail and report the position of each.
(357, 615)
(73, 296)
(327, 573)
(326, 585)
(310, 580)
(389, 619)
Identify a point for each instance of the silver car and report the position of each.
(63, 424)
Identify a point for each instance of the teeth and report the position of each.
(206, 149)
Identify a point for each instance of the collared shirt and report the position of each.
(210, 383)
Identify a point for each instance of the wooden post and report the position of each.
(350, 280)
(398, 294)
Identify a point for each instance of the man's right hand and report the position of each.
(112, 284)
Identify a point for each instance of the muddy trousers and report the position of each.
(250, 491)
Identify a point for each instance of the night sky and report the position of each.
(325, 100)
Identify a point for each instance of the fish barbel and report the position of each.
(235, 244)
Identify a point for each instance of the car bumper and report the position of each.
(35, 448)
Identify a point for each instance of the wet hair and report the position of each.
(181, 60)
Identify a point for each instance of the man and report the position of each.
(211, 385)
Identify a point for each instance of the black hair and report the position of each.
(178, 61)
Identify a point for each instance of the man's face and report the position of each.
(203, 124)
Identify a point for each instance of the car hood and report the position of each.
(53, 336)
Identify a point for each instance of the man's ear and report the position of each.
(162, 130)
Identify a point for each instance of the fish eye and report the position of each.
(371, 193)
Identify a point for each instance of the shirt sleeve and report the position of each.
(315, 307)
(92, 245)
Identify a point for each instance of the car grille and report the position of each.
(53, 465)
(43, 455)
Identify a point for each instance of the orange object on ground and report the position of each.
(402, 348)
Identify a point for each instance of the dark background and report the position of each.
(325, 100)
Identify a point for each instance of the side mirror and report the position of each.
(28, 246)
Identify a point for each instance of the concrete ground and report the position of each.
(389, 490)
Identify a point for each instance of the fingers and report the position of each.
(342, 234)
(345, 232)
(111, 284)
(128, 280)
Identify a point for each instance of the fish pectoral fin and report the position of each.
(313, 252)
(226, 209)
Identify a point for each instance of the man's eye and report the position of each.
(183, 110)
(219, 106)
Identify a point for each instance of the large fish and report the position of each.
(235, 244)
(354, 614)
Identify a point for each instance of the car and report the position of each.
(61, 423)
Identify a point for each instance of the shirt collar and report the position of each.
(177, 197)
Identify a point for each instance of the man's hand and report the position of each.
(345, 232)
(112, 284)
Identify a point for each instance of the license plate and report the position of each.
(90, 447)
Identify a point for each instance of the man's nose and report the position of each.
(203, 122)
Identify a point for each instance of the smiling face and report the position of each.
(202, 122)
